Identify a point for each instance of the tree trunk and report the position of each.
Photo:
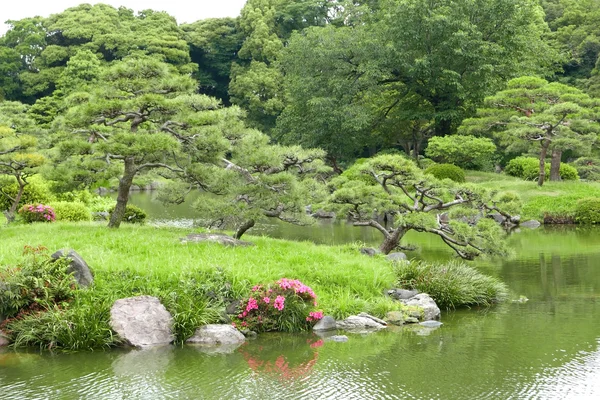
(543, 153)
(242, 229)
(11, 213)
(123, 193)
(392, 241)
(555, 165)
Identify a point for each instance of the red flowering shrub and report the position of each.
(37, 213)
(286, 306)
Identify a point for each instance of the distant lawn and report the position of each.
(554, 198)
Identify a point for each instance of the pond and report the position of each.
(545, 348)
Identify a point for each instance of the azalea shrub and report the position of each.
(37, 213)
(288, 305)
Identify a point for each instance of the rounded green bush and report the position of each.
(34, 193)
(588, 168)
(587, 211)
(528, 168)
(71, 211)
(133, 214)
(449, 171)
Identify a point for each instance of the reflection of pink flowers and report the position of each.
(278, 303)
(318, 343)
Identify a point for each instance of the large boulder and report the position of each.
(217, 335)
(3, 341)
(142, 321)
(327, 323)
(356, 323)
(430, 310)
(81, 272)
(214, 238)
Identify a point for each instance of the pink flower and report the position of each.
(266, 300)
(316, 315)
(256, 288)
(234, 325)
(278, 303)
(252, 304)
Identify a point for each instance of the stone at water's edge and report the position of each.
(142, 321)
(81, 272)
(356, 323)
(327, 323)
(532, 224)
(399, 294)
(217, 334)
(378, 320)
(430, 310)
(214, 238)
(395, 318)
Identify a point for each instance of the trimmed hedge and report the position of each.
(446, 171)
(528, 168)
(71, 211)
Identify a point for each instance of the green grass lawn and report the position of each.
(554, 198)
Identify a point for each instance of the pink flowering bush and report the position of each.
(37, 213)
(288, 305)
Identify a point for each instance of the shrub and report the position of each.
(467, 152)
(587, 211)
(528, 168)
(35, 192)
(451, 285)
(37, 213)
(77, 196)
(71, 211)
(133, 214)
(588, 168)
(101, 204)
(446, 171)
(37, 283)
(286, 306)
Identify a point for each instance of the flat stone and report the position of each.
(142, 321)
(327, 323)
(216, 334)
(214, 238)
(402, 294)
(378, 320)
(339, 338)
(430, 310)
(356, 323)
(77, 266)
(531, 224)
(396, 257)
(395, 318)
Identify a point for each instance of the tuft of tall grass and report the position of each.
(453, 284)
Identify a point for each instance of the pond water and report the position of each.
(545, 348)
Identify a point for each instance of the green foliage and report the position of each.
(528, 168)
(446, 171)
(101, 204)
(451, 285)
(133, 214)
(467, 152)
(71, 211)
(36, 283)
(588, 168)
(587, 211)
(35, 192)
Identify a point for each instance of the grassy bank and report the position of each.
(553, 198)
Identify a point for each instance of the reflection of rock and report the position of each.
(396, 257)
(214, 238)
(220, 349)
(356, 323)
(327, 323)
(430, 310)
(142, 321)
(532, 224)
(148, 361)
(77, 266)
(431, 324)
(215, 335)
(339, 338)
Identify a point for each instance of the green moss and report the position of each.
(446, 171)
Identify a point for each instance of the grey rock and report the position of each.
(214, 238)
(411, 320)
(444, 218)
(327, 323)
(431, 324)
(369, 251)
(322, 214)
(4, 341)
(402, 294)
(499, 218)
(532, 224)
(430, 310)
(515, 219)
(215, 335)
(356, 323)
(378, 320)
(81, 272)
(339, 338)
(248, 333)
(101, 216)
(142, 321)
(415, 314)
(233, 308)
(396, 257)
(395, 318)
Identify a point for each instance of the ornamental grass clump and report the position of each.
(288, 305)
(453, 284)
(37, 213)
